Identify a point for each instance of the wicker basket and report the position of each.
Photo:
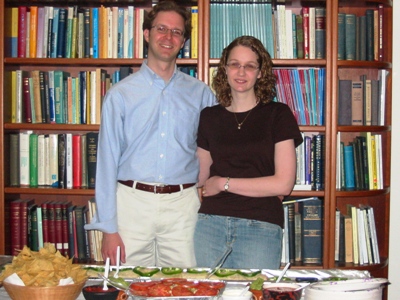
(64, 292)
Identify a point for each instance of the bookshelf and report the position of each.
(336, 70)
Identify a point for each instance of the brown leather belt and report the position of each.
(156, 189)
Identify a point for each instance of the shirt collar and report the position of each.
(152, 77)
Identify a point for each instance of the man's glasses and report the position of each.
(236, 66)
(164, 30)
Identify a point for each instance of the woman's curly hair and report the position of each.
(264, 87)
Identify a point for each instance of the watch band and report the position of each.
(226, 186)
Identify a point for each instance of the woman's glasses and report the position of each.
(236, 66)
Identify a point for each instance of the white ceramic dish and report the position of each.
(350, 285)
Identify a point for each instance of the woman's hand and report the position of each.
(213, 186)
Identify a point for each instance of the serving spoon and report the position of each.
(118, 261)
(105, 287)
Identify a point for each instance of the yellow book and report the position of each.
(373, 164)
(352, 211)
(13, 92)
(11, 32)
(194, 39)
(74, 36)
(33, 31)
(348, 238)
(36, 95)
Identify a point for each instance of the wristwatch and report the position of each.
(226, 186)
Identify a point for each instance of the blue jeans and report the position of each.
(255, 244)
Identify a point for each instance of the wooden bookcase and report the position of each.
(335, 69)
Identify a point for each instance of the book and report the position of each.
(363, 38)
(61, 36)
(64, 227)
(15, 226)
(58, 226)
(374, 237)
(311, 30)
(22, 30)
(37, 101)
(342, 246)
(33, 22)
(341, 37)
(68, 32)
(320, 32)
(299, 36)
(84, 165)
(337, 233)
(348, 156)
(350, 36)
(34, 234)
(194, 38)
(311, 212)
(50, 42)
(369, 13)
(380, 32)
(76, 161)
(345, 102)
(11, 32)
(348, 237)
(80, 231)
(92, 141)
(14, 159)
(298, 237)
(24, 158)
(51, 216)
(318, 165)
(33, 160)
(62, 161)
(306, 30)
(40, 225)
(357, 105)
(68, 161)
(291, 233)
(71, 231)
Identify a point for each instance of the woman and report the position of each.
(246, 149)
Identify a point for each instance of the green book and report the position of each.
(33, 160)
(33, 237)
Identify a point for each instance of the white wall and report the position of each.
(394, 243)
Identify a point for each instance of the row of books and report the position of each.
(82, 32)
(310, 161)
(303, 90)
(362, 101)
(284, 33)
(361, 37)
(356, 239)
(62, 160)
(57, 97)
(359, 162)
(303, 231)
(57, 222)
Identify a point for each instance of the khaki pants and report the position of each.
(157, 229)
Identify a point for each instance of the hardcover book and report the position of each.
(311, 212)
(92, 140)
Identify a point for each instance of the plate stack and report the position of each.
(356, 289)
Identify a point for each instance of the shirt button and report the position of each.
(164, 113)
(161, 155)
(160, 177)
(163, 134)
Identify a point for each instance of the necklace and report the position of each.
(245, 118)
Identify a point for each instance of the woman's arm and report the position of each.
(281, 183)
(205, 161)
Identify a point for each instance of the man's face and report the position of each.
(165, 46)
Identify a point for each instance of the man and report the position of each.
(147, 169)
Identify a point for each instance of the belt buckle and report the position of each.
(156, 186)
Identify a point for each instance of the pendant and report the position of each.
(239, 126)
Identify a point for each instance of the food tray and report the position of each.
(135, 297)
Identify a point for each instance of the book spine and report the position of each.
(54, 36)
(71, 241)
(80, 232)
(86, 30)
(92, 140)
(62, 160)
(64, 228)
(61, 38)
(15, 227)
(350, 38)
(34, 243)
(320, 33)
(77, 161)
(369, 13)
(349, 167)
(68, 34)
(45, 222)
(194, 38)
(51, 213)
(33, 31)
(50, 32)
(306, 30)
(357, 104)
(58, 226)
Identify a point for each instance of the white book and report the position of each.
(382, 74)
(41, 160)
(93, 101)
(46, 30)
(312, 32)
(53, 157)
(68, 151)
(80, 35)
(367, 234)
(131, 28)
(374, 237)
(361, 238)
(19, 96)
(47, 178)
(282, 31)
(109, 33)
(40, 32)
(289, 33)
(24, 158)
(285, 240)
(125, 40)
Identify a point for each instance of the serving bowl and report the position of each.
(96, 292)
(65, 292)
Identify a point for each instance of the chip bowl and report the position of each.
(65, 292)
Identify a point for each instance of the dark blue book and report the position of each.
(82, 93)
(62, 27)
(369, 13)
(348, 157)
(312, 237)
(86, 32)
(350, 44)
(319, 158)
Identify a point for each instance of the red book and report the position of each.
(306, 28)
(76, 161)
(22, 28)
(58, 226)
(51, 212)
(23, 211)
(74, 234)
(45, 222)
(15, 226)
(27, 100)
(64, 226)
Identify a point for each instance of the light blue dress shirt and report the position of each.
(148, 133)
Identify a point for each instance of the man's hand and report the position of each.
(109, 247)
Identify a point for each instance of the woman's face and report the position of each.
(242, 69)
